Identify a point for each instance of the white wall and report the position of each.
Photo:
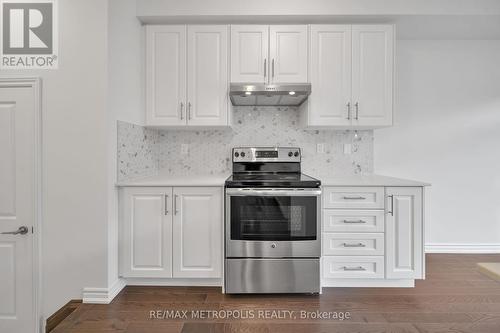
(447, 132)
(316, 7)
(74, 231)
(125, 101)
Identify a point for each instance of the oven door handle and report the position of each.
(303, 192)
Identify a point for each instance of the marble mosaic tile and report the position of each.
(143, 152)
(209, 150)
(138, 151)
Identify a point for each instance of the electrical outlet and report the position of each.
(184, 149)
(320, 148)
(347, 148)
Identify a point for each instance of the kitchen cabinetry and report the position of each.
(171, 232)
(351, 73)
(197, 230)
(269, 54)
(404, 256)
(372, 236)
(187, 75)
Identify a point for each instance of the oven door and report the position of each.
(273, 223)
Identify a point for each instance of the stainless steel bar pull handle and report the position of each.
(354, 198)
(182, 110)
(166, 204)
(265, 69)
(273, 68)
(359, 268)
(354, 221)
(391, 211)
(357, 110)
(175, 204)
(189, 110)
(349, 111)
(354, 245)
(21, 231)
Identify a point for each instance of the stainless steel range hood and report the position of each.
(291, 94)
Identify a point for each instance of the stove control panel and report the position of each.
(266, 154)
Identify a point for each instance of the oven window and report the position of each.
(273, 218)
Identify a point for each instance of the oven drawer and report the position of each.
(353, 220)
(353, 244)
(353, 197)
(346, 267)
(272, 276)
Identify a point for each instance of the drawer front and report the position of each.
(353, 220)
(345, 267)
(358, 244)
(353, 197)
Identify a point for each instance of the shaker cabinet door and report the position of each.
(404, 233)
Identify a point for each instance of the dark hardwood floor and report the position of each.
(455, 297)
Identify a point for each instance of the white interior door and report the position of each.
(249, 53)
(372, 74)
(330, 72)
(288, 53)
(17, 208)
(197, 232)
(166, 75)
(207, 75)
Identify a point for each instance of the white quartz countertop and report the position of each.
(173, 180)
(218, 180)
(369, 180)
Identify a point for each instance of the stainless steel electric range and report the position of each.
(272, 226)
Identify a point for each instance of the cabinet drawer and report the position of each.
(345, 267)
(353, 244)
(353, 220)
(353, 197)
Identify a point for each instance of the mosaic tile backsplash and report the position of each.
(144, 152)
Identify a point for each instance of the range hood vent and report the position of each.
(269, 94)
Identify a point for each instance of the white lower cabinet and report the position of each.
(170, 232)
(404, 233)
(197, 230)
(368, 237)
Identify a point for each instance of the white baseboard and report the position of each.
(103, 295)
(370, 283)
(194, 282)
(462, 248)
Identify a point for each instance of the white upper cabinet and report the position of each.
(187, 75)
(330, 74)
(269, 54)
(166, 75)
(288, 51)
(207, 93)
(351, 72)
(404, 233)
(372, 74)
(249, 53)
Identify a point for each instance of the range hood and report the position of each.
(291, 94)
